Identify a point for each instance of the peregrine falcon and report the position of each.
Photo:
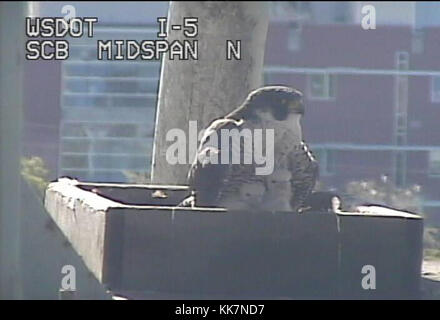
(229, 184)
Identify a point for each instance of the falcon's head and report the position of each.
(278, 101)
(277, 107)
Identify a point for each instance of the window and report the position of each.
(294, 37)
(402, 60)
(326, 160)
(435, 89)
(341, 12)
(322, 86)
(291, 10)
(267, 78)
(417, 42)
(434, 163)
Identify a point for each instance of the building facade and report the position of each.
(94, 119)
(372, 100)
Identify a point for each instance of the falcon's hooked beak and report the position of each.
(287, 108)
(297, 106)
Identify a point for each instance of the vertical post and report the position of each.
(211, 86)
(12, 34)
(400, 118)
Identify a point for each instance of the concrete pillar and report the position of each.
(12, 52)
(211, 86)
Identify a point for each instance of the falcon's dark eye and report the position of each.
(280, 112)
(247, 194)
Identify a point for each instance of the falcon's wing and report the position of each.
(206, 178)
(305, 170)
